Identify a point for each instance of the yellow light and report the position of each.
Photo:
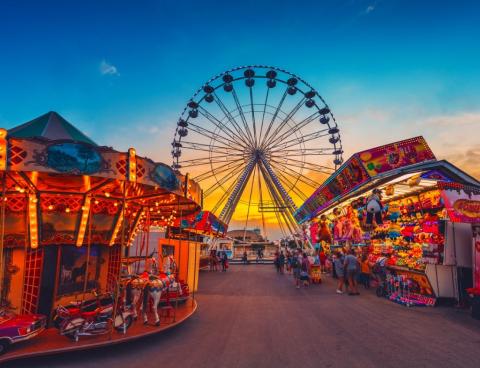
(107, 194)
(67, 210)
(32, 215)
(96, 202)
(50, 207)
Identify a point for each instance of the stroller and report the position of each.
(379, 271)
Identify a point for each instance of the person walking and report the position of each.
(224, 261)
(276, 261)
(352, 269)
(296, 267)
(245, 257)
(323, 260)
(338, 268)
(281, 262)
(289, 261)
(365, 272)
(305, 270)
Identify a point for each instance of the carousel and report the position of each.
(70, 211)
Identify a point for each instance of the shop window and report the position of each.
(33, 268)
(74, 271)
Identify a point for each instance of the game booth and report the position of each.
(410, 214)
(183, 243)
(69, 211)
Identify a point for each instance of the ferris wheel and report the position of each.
(259, 140)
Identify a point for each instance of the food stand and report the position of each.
(398, 201)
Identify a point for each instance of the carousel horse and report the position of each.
(144, 287)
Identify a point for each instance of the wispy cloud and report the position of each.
(107, 68)
(369, 9)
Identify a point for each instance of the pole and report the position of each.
(122, 246)
(2, 233)
(148, 239)
(89, 243)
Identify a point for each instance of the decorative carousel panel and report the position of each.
(15, 221)
(73, 158)
(59, 218)
(104, 213)
(165, 177)
(73, 269)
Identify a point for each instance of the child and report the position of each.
(365, 272)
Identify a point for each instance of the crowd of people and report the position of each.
(218, 259)
(347, 267)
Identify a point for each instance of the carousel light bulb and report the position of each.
(67, 210)
(50, 207)
(96, 202)
(107, 194)
(115, 204)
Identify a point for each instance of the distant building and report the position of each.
(250, 235)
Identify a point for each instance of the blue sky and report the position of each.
(122, 71)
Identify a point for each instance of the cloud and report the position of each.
(107, 68)
(449, 121)
(369, 9)
(467, 160)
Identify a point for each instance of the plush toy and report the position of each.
(394, 211)
(324, 233)
(394, 231)
(374, 207)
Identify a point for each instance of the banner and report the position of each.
(462, 203)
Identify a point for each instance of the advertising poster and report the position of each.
(476, 254)
(462, 203)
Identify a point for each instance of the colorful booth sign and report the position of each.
(392, 156)
(361, 168)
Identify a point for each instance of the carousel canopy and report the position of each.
(50, 126)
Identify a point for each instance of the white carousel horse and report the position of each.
(147, 286)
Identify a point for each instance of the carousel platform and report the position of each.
(50, 342)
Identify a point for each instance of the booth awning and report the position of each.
(204, 222)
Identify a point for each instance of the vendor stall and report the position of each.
(397, 201)
(183, 241)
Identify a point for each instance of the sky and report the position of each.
(122, 71)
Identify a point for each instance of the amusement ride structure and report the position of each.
(258, 137)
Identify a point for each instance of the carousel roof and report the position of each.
(50, 126)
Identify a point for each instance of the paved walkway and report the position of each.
(252, 317)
